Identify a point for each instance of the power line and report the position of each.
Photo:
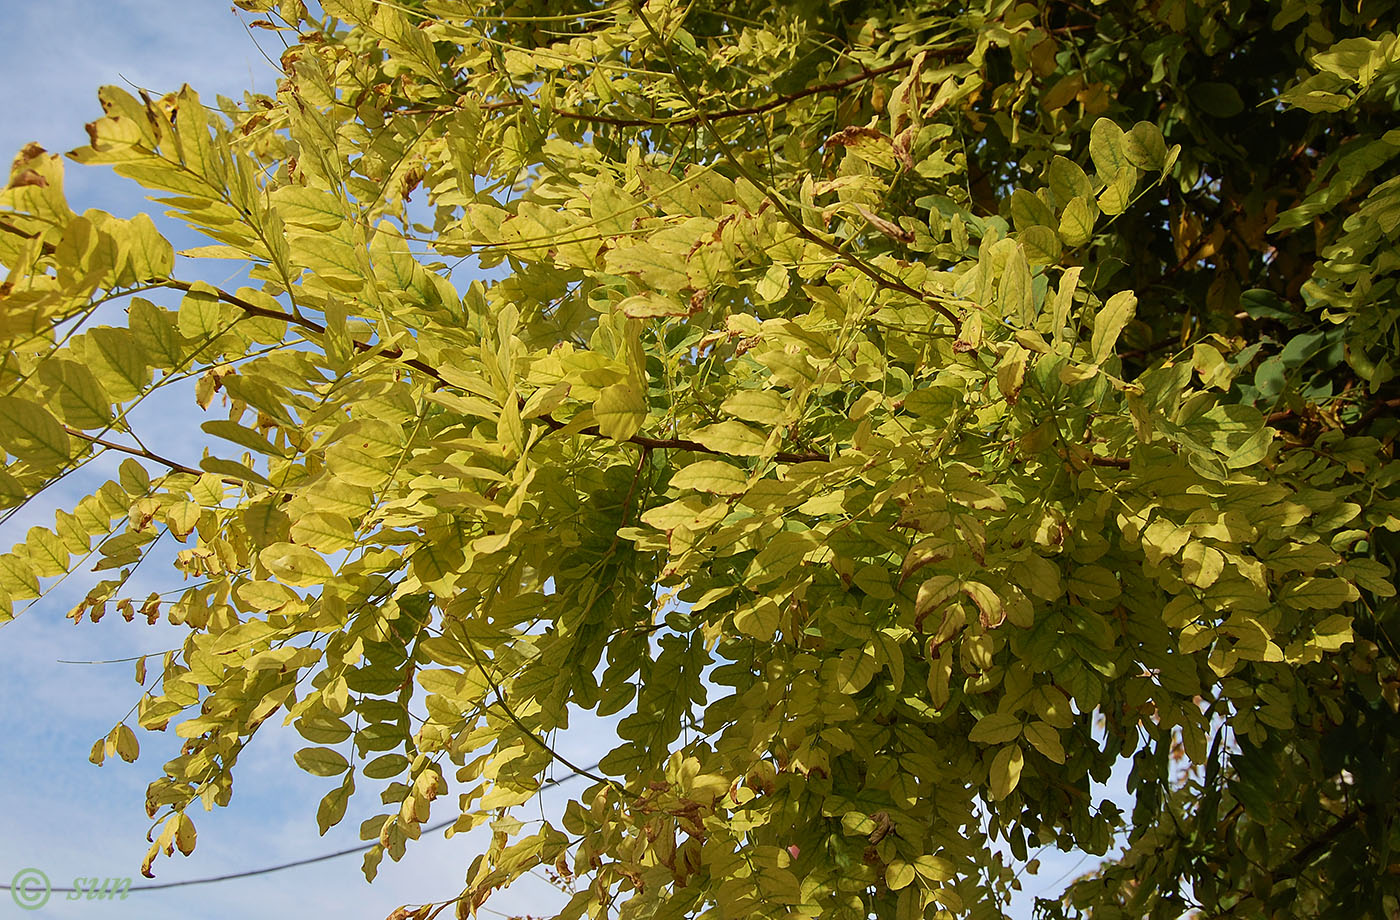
(249, 873)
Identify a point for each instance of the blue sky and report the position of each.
(61, 814)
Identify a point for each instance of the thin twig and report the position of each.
(874, 274)
(699, 116)
(134, 451)
(417, 364)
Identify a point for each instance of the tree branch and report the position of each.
(422, 366)
(874, 274)
(1375, 411)
(134, 451)
(1305, 854)
(699, 116)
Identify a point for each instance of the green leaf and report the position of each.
(1006, 771)
(1220, 100)
(713, 476)
(1045, 739)
(1109, 323)
(1094, 582)
(1106, 143)
(332, 808)
(389, 765)
(81, 399)
(1039, 576)
(31, 433)
(324, 730)
(733, 438)
(1077, 221)
(1144, 146)
(996, 728)
(295, 565)
(320, 761)
(1068, 181)
(1320, 593)
(620, 410)
(899, 874)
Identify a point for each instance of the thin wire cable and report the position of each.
(249, 873)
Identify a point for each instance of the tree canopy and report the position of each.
(901, 412)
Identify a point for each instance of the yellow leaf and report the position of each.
(320, 761)
(713, 476)
(1077, 222)
(306, 207)
(29, 432)
(934, 868)
(125, 741)
(934, 593)
(996, 728)
(988, 603)
(733, 438)
(652, 304)
(898, 874)
(1109, 322)
(1006, 771)
(1045, 739)
(325, 531)
(763, 406)
(81, 399)
(620, 410)
(295, 565)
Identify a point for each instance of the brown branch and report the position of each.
(1305, 854)
(47, 249)
(428, 369)
(1117, 463)
(684, 444)
(1375, 411)
(134, 451)
(880, 278)
(699, 116)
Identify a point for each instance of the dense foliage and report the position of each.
(902, 411)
